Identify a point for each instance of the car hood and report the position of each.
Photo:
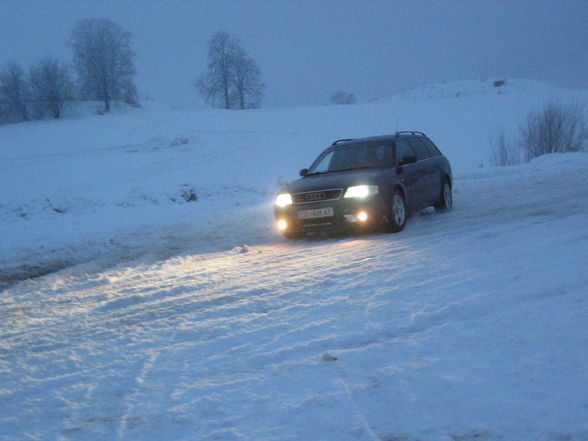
(342, 179)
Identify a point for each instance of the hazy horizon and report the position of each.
(306, 50)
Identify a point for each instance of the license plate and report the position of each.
(317, 212)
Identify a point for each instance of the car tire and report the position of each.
(395, 220)
(445, 199)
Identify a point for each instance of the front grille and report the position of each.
(316, 226)
(317, 196)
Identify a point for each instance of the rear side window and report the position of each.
(431, 147)
(419, 148)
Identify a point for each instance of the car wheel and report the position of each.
(446, 199)
(396, 219)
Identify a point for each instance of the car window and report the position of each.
(323, 163)
(419, 148)
(431, 147)
(403, 150)
(377, 155)
(352, 156)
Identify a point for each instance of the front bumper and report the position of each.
(346, 215)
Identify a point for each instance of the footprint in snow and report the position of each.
(329, 357)
(244, 249)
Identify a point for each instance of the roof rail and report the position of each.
(341, 140)
(409, 132)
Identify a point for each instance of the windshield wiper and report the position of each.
(354, 168)
(345, 169)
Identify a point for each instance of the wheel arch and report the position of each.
(402, 191)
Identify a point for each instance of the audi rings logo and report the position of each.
(310, 197)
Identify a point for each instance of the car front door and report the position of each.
(409, 173)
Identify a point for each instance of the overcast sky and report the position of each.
(308, 49)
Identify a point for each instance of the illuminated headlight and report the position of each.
(361, 191)
(282, 225)
(283, 200)
(362, 216)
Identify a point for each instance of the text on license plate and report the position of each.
(317, 212)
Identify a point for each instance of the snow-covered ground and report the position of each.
(117, 186)
(164, 325)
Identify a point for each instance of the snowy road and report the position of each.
(467, 326)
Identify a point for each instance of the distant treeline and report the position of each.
(103, 63)
(103, 69)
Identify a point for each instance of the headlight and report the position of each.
(361, 191)
(283, 200)
(282, 224)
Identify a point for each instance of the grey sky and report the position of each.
(308, 49)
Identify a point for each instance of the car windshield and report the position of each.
(353, 156)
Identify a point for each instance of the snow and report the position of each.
(192, 320)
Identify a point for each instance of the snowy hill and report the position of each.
(121, 184)
(163, 325)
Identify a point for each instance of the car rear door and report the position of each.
(431, 178)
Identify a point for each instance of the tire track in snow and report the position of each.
(139, 382)
(210, 345)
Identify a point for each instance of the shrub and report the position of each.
(51, 86)
(341, 97)
(555, 128)
(504, 151)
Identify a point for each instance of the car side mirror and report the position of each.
(408, 160)
(303, 172)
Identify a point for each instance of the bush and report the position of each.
(341, 97)
(51, 86)
(504, 151)
(14, 94)
(556, 128)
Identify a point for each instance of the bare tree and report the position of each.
(555, 128)
(215, 87)
(233, 78)
(104, 60)
(248, 86)
(51, 86)
(341, 97)
(14, 93)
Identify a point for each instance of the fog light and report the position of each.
(282, 224)
(362, 216)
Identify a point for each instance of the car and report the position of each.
(366, 184)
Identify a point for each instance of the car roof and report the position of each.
(380, 138)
